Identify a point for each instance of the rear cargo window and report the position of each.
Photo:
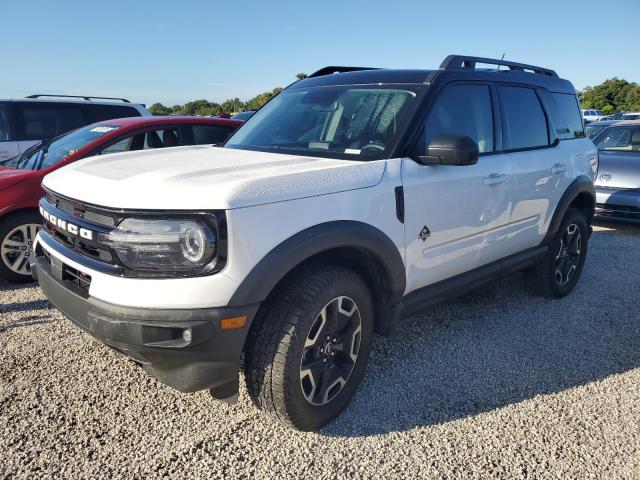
(567, 119)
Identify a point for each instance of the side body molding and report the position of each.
(582, 185)
(318, 239)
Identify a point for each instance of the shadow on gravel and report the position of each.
(22, 306)
(26, 322)
(500, 345)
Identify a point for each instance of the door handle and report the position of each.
(494, 179)
(559, 168)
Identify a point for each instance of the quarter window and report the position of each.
(464, 110)
(524, 124)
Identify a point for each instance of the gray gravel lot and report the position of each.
(497, 384)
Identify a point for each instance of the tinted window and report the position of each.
(523, 122)
(216, 134)
(566, 117)
(4, 122)
(47, 120)
(107, 112)
(465, 110)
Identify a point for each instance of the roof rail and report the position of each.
(78, 96)
(460, 62)
(329, 70)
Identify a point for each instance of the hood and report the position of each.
(10, 176)
(205, 177)
(618, 169)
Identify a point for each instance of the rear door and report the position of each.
(537, 162)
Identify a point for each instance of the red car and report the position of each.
(20, 177)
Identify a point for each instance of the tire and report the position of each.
(557, 275)
(17, 233)
(292, 342)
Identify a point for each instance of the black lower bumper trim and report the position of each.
(185, 349)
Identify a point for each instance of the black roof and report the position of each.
(454, 67)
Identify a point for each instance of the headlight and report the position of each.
(165, 245)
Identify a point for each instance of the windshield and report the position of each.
(593, 130)
(46, 154)
(349, 122)
(620, 139)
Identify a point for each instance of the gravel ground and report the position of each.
(496, 384)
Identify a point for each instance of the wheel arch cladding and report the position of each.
(365, 249)
(580, 194)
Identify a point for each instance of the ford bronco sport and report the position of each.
(355, 196)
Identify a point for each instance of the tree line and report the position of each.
(613, 95)
(206, 108)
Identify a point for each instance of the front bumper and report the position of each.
(204, 358)
(618, 204)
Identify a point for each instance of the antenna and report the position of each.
(500, 62)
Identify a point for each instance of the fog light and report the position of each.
(186, 335)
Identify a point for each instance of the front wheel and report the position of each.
(308, 348)
(557, 275)
(17, 234)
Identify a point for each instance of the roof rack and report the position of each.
(78, 96)
(461, 62)
(330, 70)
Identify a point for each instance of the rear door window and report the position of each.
(42, 121)
(108, 112)
(524, 124)
(215, 134)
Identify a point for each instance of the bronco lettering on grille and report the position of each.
(66, 226)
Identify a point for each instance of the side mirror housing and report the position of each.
(450, 149)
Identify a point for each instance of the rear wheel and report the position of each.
(17, 234)
(308, 348)
(557, 275)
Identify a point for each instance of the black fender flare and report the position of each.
(582, 184)
(276, 264)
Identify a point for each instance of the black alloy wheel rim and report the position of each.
(330, 351)
(568, 256)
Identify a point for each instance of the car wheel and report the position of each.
(557, 275)
(309, 345)
(17, 234)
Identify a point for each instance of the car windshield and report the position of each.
(623, 138)
(45, 154)
(347, 122)
(592, 130)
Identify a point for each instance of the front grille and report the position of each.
(80, 210)
(88, 216)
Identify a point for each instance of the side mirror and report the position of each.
(450, 149)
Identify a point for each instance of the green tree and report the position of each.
(159, 109)
(301, 76)
(612, 95)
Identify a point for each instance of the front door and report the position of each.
(456, 216)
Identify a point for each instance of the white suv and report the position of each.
(353, 197)
(592, 115)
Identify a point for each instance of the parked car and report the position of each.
(26, 121)
(631, 116)
(21, 177)
(353, 197)
(244, 116)
(618, 182)
(594, 128)
(592, 115)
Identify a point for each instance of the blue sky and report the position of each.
(173, 52)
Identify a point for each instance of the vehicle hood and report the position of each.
(10, 176)
(619, 169)
(205, 177)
